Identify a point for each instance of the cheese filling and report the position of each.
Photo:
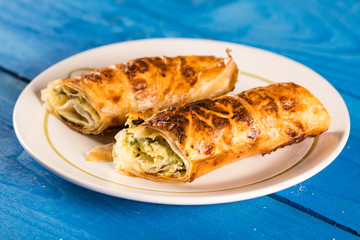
(150, 155)
(71, 106)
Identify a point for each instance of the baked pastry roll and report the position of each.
(99, 100)
(182, 143)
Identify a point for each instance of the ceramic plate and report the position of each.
(63, 151)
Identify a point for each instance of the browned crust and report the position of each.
(214, 132)
(156, 82)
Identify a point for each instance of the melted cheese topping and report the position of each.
(71, 106)
(150, 155)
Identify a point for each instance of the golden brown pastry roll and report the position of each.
(99, 100)
(182, 143)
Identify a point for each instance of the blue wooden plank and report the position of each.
(318, 34)
(37, 203)
(54, 30)
(334, 192)
(304, 32)
(9, 91)
(51, 207)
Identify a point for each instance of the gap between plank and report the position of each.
(14, 74)
(313, 213)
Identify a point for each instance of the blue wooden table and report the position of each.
(37, 204)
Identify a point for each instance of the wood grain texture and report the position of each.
(51, 31)
(320, 34)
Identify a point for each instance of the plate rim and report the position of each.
(186, 200)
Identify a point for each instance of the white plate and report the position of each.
(62, 150)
